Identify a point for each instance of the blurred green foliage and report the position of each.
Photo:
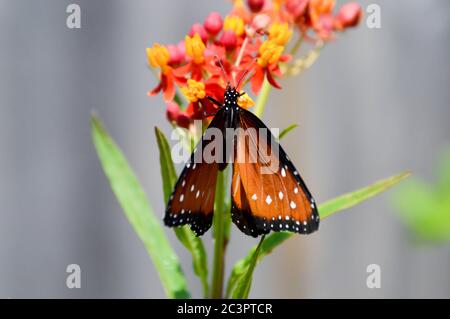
(425, 207)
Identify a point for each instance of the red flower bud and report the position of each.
(349, 15)
(228, 39)
(296, 8)
(176, 54)
(172, 111)
(213, 23)
(255, 5)
(183, 120)
(197, 28)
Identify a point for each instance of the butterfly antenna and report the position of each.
(222, 68)
(246, 71)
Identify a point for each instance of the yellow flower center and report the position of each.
(158, 56)
(280, 33)
(235, 24)
(194, 90)
(269, 53)
(195, 48)
(245, 101)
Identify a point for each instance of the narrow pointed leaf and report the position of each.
(287, 130)
(241, 268)
(192, 243)
(243, 288)
(138, 211)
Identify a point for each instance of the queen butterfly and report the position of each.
(264, 198)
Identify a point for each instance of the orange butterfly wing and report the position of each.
(192, 201)
(267, 191)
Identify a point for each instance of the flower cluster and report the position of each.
(253, 38)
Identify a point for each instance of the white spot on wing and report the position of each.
(198, 194)
(293, 205)
(254, 197)
(280, 195)
(181, 197)
(296, 190)
(268, 200)
(283, 172)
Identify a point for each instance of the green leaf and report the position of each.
(243, 288)
(241, 268)
(168, 173)
(351, 199)
(184, 234)
(137, 209)
(287, 130)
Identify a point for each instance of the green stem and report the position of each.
(262, 99)
(219, 234)
(297, 45)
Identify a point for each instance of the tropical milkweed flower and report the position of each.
(251, 39)
(198, 60)
(317, 8)
(235, 24)
(195, 48)
(280, 33)
(194, 90)
(269, 54)
(245, 101)
(199, 29)
(196, 93)
(158, 56)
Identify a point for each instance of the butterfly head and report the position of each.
(231, 96)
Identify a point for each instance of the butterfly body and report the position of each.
(267, 191)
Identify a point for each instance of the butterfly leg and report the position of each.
(213, 100)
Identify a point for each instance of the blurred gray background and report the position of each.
(375, 103)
